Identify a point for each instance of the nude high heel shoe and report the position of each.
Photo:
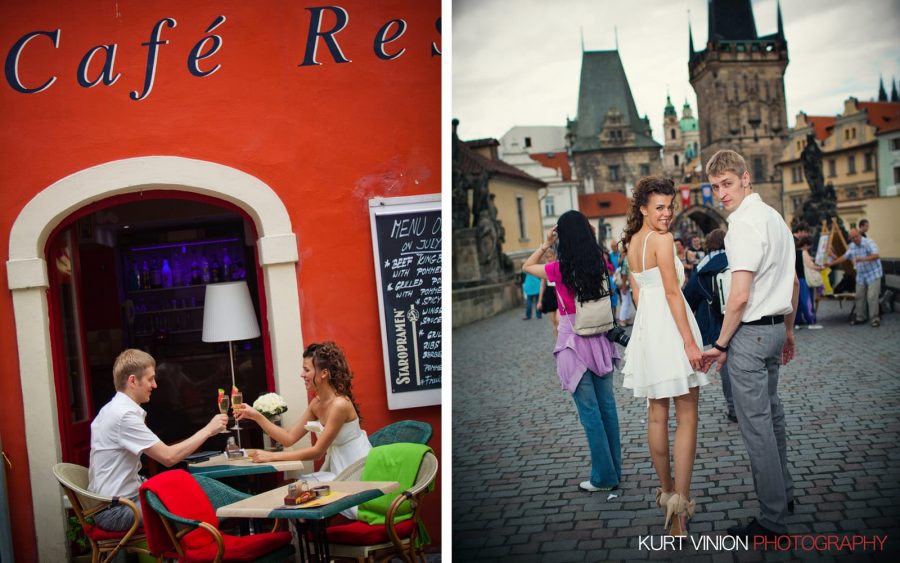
(683, 510)
(662, 498)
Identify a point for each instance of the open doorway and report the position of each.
(131, 273)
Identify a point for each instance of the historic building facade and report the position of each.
(540, 151)
(612, 146)
(681, 151)
(739, 82)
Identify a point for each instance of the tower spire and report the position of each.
(780, 24)
(882, 94)
(690, 38)
(894, 96)
(582, 39)
(616, 33)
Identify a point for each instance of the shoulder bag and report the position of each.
(591, 317)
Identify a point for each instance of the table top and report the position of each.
(218, 467)
(265, 505)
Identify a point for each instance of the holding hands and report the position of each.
(713, 356)
(694, 356)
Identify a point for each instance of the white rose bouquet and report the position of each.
(270, 404)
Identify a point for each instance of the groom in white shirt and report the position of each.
(757, 334)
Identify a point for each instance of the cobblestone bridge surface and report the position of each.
(519, 452)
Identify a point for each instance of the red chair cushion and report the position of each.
(239, 548)
(97, 533)
(360, 533)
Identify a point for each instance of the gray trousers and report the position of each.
(726, 388)
(117, 518)
(753, 361)
(867, 294)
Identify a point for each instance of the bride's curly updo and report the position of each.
(645, 188)
(328, 355)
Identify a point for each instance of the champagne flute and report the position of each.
(223, 409)
(237, 403)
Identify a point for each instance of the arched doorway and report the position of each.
(698, 219)
(27, 274)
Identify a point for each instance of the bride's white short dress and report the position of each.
(350, 445)
(656, 365)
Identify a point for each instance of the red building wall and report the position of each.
(326, 137)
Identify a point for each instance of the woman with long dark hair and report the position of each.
(663, 358)
(584, 363)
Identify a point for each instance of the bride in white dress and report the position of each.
(663, 358)
(332, 414)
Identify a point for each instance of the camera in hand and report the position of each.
(618, 335)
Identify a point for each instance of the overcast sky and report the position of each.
(518, 62)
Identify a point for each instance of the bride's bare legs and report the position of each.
(685, 440)
(658, 439)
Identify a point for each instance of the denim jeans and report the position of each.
(596, 404)
(806, 311)
(531, 301)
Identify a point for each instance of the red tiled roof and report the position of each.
(606, 204)
(481, 143)
(822, 125)
(556, 160)
(471, 162)
(882, 115)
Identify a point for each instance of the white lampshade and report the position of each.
(228, 313)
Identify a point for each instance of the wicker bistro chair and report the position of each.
(411, 431)
(194, 533)
(363, 542)
(105, 544)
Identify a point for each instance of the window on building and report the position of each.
(851, 164)
(645, 168)
(549, 207)
(795, 174)
(614, 173)
(832, 168)
(758, 169)
(867, 162)
(672, 133)
(895, 144)
(853, 133)
(520, 210)
(527, 142)
(846, 134)
(676, 160)
(897, 174)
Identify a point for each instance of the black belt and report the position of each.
(770, 320)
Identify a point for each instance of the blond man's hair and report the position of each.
(131, 362)
(726, 161)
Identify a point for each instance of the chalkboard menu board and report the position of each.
(406, 239)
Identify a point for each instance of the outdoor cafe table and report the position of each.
(267, 505)
(219, 467)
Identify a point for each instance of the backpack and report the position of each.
(721, 288)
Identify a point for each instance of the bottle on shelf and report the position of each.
(204, 270)
(177, 271)
(195, 271)
(145, 276)
(166, 274)
(215, 271)
(226, 267)
(134, 280)
(155, 276)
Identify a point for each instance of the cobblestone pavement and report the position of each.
(519, 451)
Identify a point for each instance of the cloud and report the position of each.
(519, 62)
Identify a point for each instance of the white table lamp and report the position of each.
(228, 315)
